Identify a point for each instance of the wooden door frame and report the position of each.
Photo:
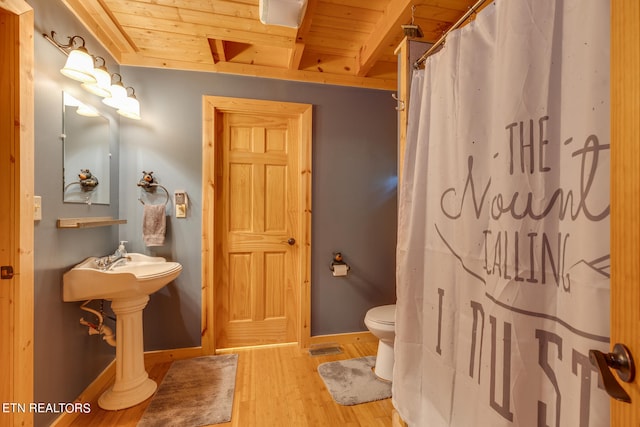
(211, 105)
(625, 194)
(19, 107)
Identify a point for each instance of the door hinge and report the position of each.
(6, 272)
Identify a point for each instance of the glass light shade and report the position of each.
(79, 66)
(118, 95)
(130, 108)
(102, 86)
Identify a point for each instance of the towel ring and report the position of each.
(150, 188)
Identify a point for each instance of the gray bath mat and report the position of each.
(352, 381)
(194, 392)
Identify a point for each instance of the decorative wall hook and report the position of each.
(147, 181)
(338, 260)
(401, 103)
(149, 184)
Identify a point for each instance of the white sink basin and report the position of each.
(139, 276)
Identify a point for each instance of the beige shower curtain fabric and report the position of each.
(503, 240)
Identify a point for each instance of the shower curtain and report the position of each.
(503, 240)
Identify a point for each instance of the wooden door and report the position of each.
(16, 205)
(261, 222)
(625, 195)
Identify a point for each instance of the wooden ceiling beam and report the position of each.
(396, 13)
(217, 50)
(263, 71)
(306, 21)
(296, 56)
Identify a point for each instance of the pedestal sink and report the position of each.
(127, 285)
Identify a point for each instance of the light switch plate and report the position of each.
(180, 201)
(37, 208)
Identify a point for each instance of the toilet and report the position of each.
(381, 321)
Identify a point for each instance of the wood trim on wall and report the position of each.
(402, 51)
(18, 108)
(625, 194)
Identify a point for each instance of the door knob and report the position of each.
(291, 241)
(619, 359)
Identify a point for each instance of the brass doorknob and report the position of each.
(619, 359)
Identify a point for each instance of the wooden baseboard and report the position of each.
(90, 394)
(161, 356)
(348, 338)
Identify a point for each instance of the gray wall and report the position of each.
(66, 358)
(354, 203)
(354, 193)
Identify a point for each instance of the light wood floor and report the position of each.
(275, 386)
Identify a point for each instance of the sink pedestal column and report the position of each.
(132, 384)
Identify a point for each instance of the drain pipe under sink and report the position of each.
(100, 328)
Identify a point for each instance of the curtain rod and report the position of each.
(441, 40)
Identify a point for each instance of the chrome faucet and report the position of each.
(110, 261)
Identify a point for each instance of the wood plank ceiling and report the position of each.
(344, 42)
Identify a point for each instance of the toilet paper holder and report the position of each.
(338, 260)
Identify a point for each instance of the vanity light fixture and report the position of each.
(102, 86)
(118, 93)
(80, 66)
(130, 107)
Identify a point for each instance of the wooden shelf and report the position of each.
(86, 222)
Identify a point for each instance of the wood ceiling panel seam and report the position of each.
(359, 14)
(205, 4)
(167, 57)
(335, 45)
(377, 5)
(229, 23)
(441, 14)
(217, 33)
(228, 8)
(336, 36)
(314, 52)
(460, 5)
(323, 23)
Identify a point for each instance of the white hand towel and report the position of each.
(154, 224)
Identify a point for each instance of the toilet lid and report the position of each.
(385, 314)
